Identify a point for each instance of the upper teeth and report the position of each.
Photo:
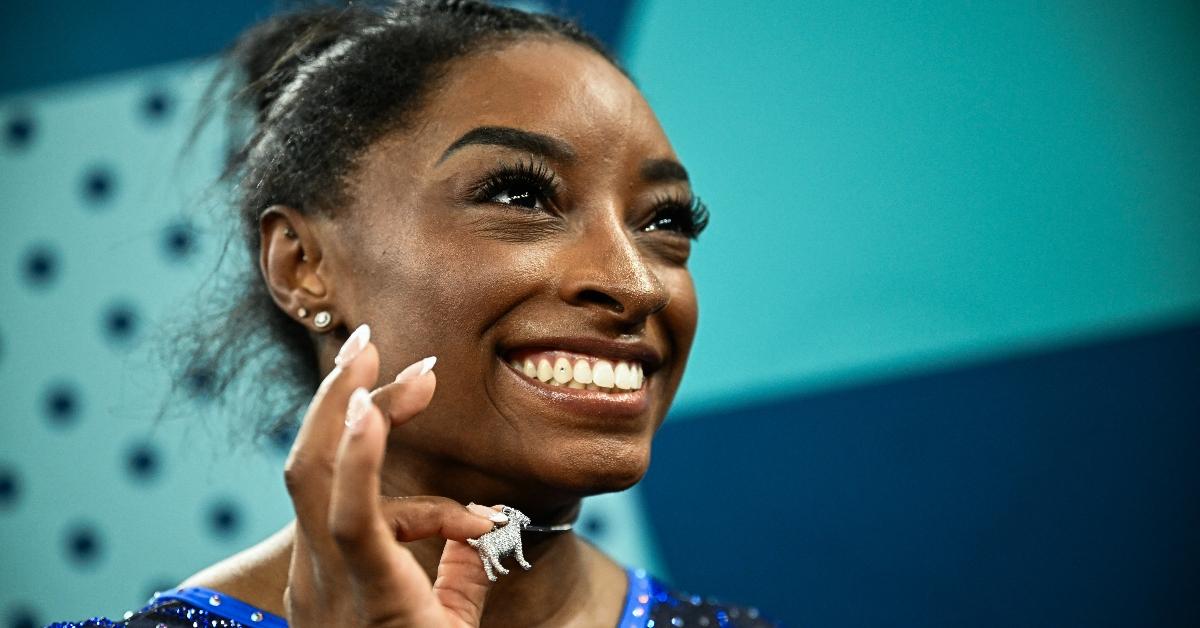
(558, 368)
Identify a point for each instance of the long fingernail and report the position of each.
(416, 369)
(360, 403)
(488, 513)
(353, 345)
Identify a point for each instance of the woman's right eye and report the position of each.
(519, 194)
(528, 185)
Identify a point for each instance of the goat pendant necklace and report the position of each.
(506, 541)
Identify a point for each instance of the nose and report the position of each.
(607, 272)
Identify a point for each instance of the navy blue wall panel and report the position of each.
(43, 43)
(1057, 489)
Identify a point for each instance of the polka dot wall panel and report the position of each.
(107, 235)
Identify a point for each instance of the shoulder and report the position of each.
(258, 575)
(659, 604)
(192, 607)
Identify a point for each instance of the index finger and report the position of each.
(409, 394)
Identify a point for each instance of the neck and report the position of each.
(566, 569)
(422, 474)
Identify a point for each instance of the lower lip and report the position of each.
(628, 403)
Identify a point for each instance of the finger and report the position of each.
(301, 591)
(388, 581)
(414, 518)
(411, 393)
(462, 586)
(309, 468)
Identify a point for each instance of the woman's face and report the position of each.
(442, 258)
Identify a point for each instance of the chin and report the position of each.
(598, 465)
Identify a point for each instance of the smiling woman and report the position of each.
(482, 189)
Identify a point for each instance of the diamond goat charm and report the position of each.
(501, 542)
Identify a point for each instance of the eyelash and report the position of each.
(691, 212)
(534, 174)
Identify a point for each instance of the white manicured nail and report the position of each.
(360, 404)
(416, 369)
(353, 345)
(488, 513)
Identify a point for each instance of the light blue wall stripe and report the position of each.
(898, 185)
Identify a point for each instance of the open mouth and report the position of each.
(587, 378)
(579, 371)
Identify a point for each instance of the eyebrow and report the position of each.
(652, 170)
(518, 139)
(663, 171)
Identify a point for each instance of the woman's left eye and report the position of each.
(684, 217)
(671, 218)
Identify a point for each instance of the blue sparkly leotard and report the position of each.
(648, 604)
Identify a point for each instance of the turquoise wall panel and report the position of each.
(900, 185)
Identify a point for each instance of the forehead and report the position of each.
(549, 86)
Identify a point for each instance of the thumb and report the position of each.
(461, 584)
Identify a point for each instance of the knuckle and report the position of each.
(299, 469)
(403, 524)
(293, 479)
(401, 528)
(347, 529)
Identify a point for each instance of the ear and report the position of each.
(290, 260)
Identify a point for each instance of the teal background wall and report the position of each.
(950, 312)
(901, 185)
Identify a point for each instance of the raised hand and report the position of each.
(347, 567)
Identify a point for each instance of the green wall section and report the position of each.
(897, 185)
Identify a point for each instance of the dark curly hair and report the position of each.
(310, 91)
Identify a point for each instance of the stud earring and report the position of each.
(302, 313)
(287, 231)
(322, 319)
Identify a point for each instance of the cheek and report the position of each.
(448, 292)
(475, 284)
(682, 315)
